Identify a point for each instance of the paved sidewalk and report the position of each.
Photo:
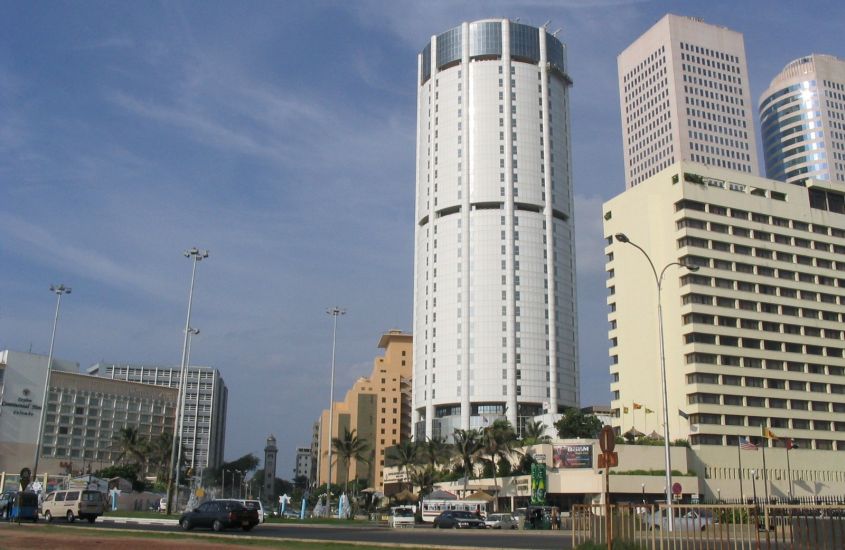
(137, 521)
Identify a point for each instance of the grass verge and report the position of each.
(243, 540)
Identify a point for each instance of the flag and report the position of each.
(637, 406)
(790, 444)
(767, 433)
(485, 420)
(746, 445)
(624, 410)
(648, 411)
(693, 428)
(684, 415)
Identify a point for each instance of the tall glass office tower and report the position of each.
(802, 116)
(494, 288)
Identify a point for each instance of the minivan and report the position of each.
(72, 504)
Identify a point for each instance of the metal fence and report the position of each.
(807, 526)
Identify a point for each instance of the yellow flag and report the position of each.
(637, 406)
(767, 433)
(624, 410)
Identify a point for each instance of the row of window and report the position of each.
(760, 382)
(819, 444)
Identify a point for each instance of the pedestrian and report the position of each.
(555, 519)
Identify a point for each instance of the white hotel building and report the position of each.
(494, 296)
(755, 336)
(684, 94)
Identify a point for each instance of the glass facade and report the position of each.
(426, 64)
(485, 38)
(525, 42)
(449, 47)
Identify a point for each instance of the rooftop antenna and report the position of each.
(555, 33)
(547, 23)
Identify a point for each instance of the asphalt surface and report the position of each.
(420, 536)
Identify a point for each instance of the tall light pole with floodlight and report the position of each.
(196, 255)
(191, 333)
(658, 279)
(335, 312)
(59, 290)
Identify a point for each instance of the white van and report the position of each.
(401, 516)
(76, 503)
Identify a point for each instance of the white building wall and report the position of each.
(684, 95)
(494, 268)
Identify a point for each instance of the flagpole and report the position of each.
(788, 471)
(766, 485)
(739, 456)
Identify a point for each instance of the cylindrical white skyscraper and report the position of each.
(494, 290)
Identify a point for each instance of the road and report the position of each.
(419, 536)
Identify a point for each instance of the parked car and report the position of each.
(692, 520)
(72, 504)
(255, 505)
(219, 515)
(457, 519)
(501, 521)
(6, 500)
(401, 516)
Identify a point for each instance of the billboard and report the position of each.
(573, 456)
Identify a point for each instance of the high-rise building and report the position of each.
(802, 117)
(754, 337)
(302, 465)
(685, 95)
(206, 396)
(494, 267)
(377, 408)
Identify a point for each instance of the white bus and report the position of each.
(431, 508)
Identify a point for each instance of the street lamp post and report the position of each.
(658, 279)
(223, 484)
(59, 290)
(335, 312)
(196, 255)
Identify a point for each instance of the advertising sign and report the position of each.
(573, 456)
(538, 483)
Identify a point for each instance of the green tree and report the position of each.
(158, 455)
(534, 433)
(349, 447)
(466, 447)
(131, 445)
(498, 441)
(575, 424)
(435, 451)
(405, 455)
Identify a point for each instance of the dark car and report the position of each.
(219, 515)
(455, 519)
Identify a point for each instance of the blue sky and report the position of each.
(280, 136)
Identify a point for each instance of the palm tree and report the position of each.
(349, 447)
(498, 443)
(405, 455)
(435, 451)
(128, 441)
(158, 449)
(467, 446)
(534, 433)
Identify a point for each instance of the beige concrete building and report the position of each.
(684, 94)
(83, 417)
(802, 117)
(755, 337)
(377, 407)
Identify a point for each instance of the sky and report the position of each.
(280, 136)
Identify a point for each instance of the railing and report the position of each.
(718, 526)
